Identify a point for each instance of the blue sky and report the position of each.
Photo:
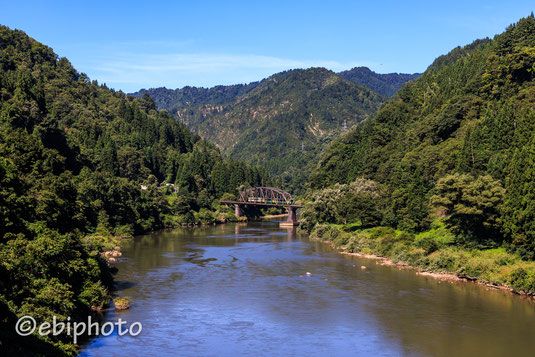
(140, 44)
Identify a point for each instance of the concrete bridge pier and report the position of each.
(292, 214)
(237, 210)
(292, 218)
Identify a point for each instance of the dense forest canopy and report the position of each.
(78, 163)
(457, 142)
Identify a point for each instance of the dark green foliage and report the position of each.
(384, 84)
(78, 164)
(472, 205)
(471, 113)
(519, 207)
(354, 208)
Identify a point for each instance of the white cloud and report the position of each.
(132, 71)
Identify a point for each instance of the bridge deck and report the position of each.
(292, 205)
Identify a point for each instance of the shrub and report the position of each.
(522, 280)
(427, 242)
(342, 239)
(126, 231)
(333, 233)
(414, 256)
(476, 267)
(320, 232)
(381, 231)
(94, 295)
(204, 216)
(360, 243)
(444, 260)
(385, 244)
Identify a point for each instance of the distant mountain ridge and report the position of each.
(171, 99)
(281, 122)
(385, 84)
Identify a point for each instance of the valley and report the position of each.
(432, 170)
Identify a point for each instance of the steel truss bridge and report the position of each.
(265, 196)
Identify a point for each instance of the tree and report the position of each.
(471, 205)
(519, 207)
(358, 201)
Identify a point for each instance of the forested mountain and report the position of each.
(80, 163)
(281, 123)
(385, 84)
(458, 142)
(174, 99)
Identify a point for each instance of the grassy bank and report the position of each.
(433, 251)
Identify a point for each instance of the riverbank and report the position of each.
(441, 275)
(109, 245)
(433, 254)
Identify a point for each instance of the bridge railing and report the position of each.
(263, 200)
(264, 194)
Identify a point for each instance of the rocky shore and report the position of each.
(446, 276)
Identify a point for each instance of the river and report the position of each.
(243, 290)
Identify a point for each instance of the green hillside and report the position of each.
(385, 84)
(457, 143)
(282, 123)
(81, 165)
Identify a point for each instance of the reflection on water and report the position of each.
(242, 289)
